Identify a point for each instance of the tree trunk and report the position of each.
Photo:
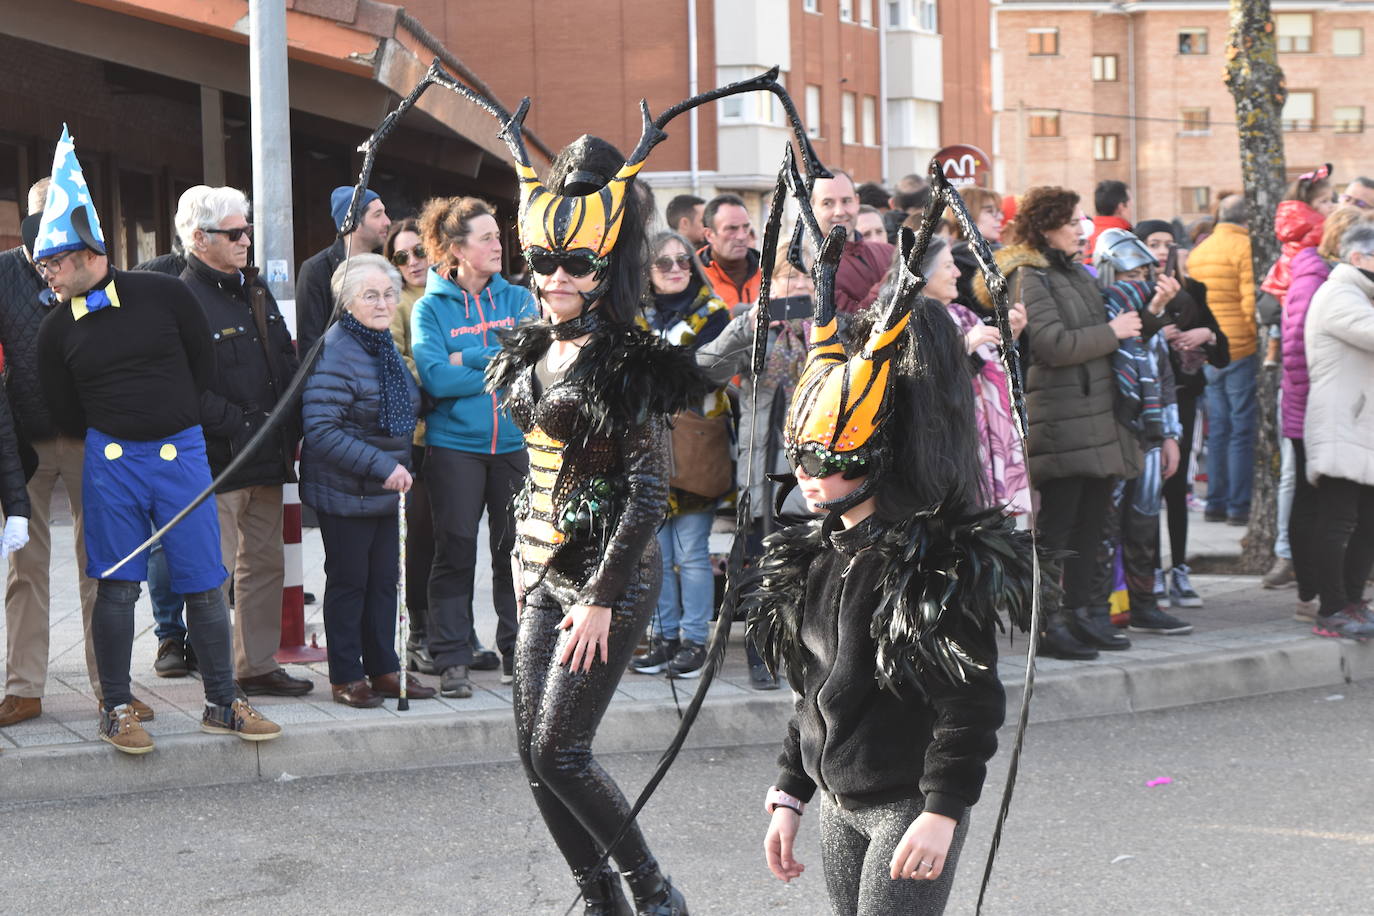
(1257, 85)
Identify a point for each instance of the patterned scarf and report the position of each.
(1139, 405)
(397, 415)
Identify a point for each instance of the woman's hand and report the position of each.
(1016, 316)
(591, 631)
(1166, 288)
(777, 844)
(1168, 458)
(399, 481)
(981, 334)
(1126, 325)
(921, 853)
(1192, 340)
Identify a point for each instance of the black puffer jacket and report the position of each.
(346, 454)
(249, 376)
(20, 315)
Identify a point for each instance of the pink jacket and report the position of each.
(1309, 272)
(1297, 226)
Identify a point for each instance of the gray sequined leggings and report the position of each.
(556, 714)
(856, 852)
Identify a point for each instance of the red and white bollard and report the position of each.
(293, 647)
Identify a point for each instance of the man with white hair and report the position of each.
(254, 362)
(1338, 436)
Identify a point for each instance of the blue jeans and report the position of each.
(1232, 418)
(167, 604)
(689, 588)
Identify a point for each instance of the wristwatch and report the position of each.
(777, 798)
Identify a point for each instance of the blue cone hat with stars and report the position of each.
(69, 219)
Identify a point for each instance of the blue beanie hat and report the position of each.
(341, 197)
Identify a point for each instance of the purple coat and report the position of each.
(1309, 272)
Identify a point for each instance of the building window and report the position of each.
(1294, 32)
(1195, 121)
(1105, 147)
(1104, 68)
(811, 6)
(847, 134)
(813, 111)
(870, 122)
(1300, 111)
(1195, 200)
(846, 10)
(866, 12)
(1043, 42)
(1347, 42)
(1349, 119)
(752, 107)
(1044, 123)
(927, 16)
(1192, 41)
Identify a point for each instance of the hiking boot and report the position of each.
(1280, 575)
(508, 669)
(1344, 624)
(657, 658)
(120, 728)
(1153, 620)
(1306, 611)
(688, 661)
(1093, 627)
(1181, 591)
(171, 658)
(14, 710)
(1161, 591)
(454, 682)
(238, 719)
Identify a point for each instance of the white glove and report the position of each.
(16, 534)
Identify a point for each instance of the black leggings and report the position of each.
(1304, 526)
(1072, 515)
(1345, 541)
(1175, 488)
(557, 711)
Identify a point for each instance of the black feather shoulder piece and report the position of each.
(947, 584)
(628, 374)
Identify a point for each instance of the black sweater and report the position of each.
(134, 372)
(21, 313)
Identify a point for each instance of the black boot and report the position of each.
(1093, 626)
(654, 892)
(603, 894)
(1057, 642)
(418, 657)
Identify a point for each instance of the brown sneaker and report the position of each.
(141, 709)
(121, 728)
(14, 710)
(239, 719)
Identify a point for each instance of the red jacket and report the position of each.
(1100, 225)
(1297, 226)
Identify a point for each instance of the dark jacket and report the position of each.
(250, 375)
(1186, 311)
(21, 313)
(14, 492)
(1070, 391)
(172, 263)
(346, 455)
(314, 302)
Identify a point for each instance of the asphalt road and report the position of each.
(1270, 811)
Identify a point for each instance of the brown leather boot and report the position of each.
(14, 710)
(358, 694)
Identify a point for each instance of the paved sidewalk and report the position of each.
(1245, 643)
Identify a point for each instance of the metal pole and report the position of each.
(691, 91)
(273, 232)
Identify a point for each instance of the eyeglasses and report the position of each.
(372, 298)
(577, 263)
(401, 256)
(665, 264)
(1352, 201)
(819, 462)
(49, 266)
(234, 234)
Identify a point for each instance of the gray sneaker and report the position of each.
(454, 682)
(1161, 588)
(1181, 591)
(1346, 623)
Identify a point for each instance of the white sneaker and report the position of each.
(1161, 589)
(1181, 591)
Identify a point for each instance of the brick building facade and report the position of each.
(1133, 91)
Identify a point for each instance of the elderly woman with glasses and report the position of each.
(359, 412)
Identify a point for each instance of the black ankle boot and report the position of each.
(1057, 642)
(654, 892)
(603, 895)
(1093, 626)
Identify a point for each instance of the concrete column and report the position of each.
(212, 137)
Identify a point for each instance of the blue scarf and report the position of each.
(1139, 401)
(397, 413)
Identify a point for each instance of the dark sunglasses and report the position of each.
(820, 463)
(401, 256)
(234, 234)
(665, 264)
(574, 263)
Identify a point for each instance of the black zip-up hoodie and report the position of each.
(860, 741)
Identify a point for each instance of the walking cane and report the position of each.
(402, 624)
